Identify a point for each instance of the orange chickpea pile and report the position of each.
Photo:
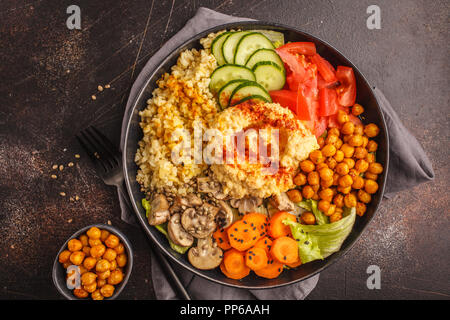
(101, 257)
(343, 172)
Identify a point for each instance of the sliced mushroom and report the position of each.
(179, 205)
(213, 188)
(159, 212)
(193, 200)
(200, 222)
(206, 255)
(177, 233)
(247, 204)
(225, 216)
(282, 202)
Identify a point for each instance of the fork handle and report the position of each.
(165, 265)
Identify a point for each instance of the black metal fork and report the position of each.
(107, 160)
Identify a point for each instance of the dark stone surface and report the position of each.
(48, 74)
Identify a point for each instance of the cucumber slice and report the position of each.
(264, 55)
(277, 38)
(248, 88)
(224, 74)
(230, 44)
(216, 47)
(226, 91)
(269, 75)
(248, 44)
(252, 97)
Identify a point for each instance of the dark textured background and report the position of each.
(48, 74)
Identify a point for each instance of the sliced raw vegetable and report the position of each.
(230, 44)
(237, 276)
(234, 261)
(306, 48)
(248, 88)
(270, 75)
(284, 250)
(252, 97)
(248, 44)
(221, 238)
(271, 271)
(216, 47)
(264, 243)
(276, 226)
(347, 89)
(276, 37)
(325, 69)
(226, 91)
(328, 104)
(224, 74)
(256, 258)
(264, 55)
(241, 236)
(257, 221)
(285, 98)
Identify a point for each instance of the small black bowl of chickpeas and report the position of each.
(94, 263)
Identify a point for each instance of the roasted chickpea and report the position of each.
(320, 141)
(98, 251)
(361, 165)
(336, 216)
(316, 157)
(307, 166)
(331, 210)
(323, 205)
(331, 138)
(331, 162)
(113, 265)
(363, 196)
(372, 146)
(334, 132)
(104, 235)
(66, 264)
(103, 275)
(82, 269)
(64, 256)
(365, 141)
(116, 277)
(326, 174)
(339, 156)
(94, 233)
(358, 182)
(101, 282)
(88, 278)
(348, 128)
(348, 150)
(77, 257)
(89, 263)
(360, 153)
(84, 240)
(344, 190)
(353, 173)
(107, 290)
(329, 150)
(96, 295)
(87, 251)
(342, 169)
(371, 130)
(74, 245)
(90, 287)
(370, 158)
(342, 117)
(94, 242)
(111, 255)
(355, 140)
(320, 166)
(360, 208)
(102, 265)
(370, 176)
(359, 129)
(313, 178)
(80, 293)
(350, 200)
(345, 138)
(326, 183)
(357, 109)
(338, 144)
(308, 218)
(307, 192)
(336, 177)
(340, 210)
(326, 194)
(371, 186)
(315, 187)
(121, 260)
(375, 168)
(299, 179)
(350, 162)
(315, 196)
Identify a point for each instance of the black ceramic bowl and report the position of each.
(59, 273)
(372, 114)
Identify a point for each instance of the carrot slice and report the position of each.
(271, 271)
(264, 243)
(256, 258)
(237, 276)
(221, 238)
(242, 236)
(295, 264)
(276, 226)
(234, 261)
(257, 221)
(285, 250)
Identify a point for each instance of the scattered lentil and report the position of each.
(100, 88)
(61, 167)
(70, 164)
(77, 156)
(62, 194)
(107, 86)
(54, 176)
(94, 97)
(55, 166)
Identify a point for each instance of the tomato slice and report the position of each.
(307, 104)
(320, 126)
(347, 89)
(293, 62)
(285, 98)
(321, 83)
(325, 68)
(306, 48)
(327, 102)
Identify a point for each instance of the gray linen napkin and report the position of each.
(408, 167)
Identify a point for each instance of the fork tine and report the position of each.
(107, 144)
(90, 150)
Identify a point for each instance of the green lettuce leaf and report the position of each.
(311, 205)
(163, 229)
(320, 241)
